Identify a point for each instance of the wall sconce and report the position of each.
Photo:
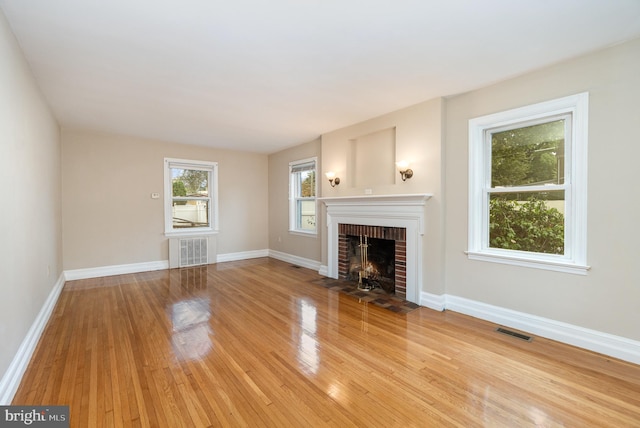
(404, 170)
(333, 180)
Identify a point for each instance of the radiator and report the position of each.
(184, 252)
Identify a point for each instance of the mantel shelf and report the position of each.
(403, 199)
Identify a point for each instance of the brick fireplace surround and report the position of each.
(381, 212)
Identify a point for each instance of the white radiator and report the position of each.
(184, 252)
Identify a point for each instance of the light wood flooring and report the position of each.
(255, 343)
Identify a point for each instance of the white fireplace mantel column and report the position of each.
(406, 211)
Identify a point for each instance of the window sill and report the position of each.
(514, 260)
(302, 233)
(199, 232)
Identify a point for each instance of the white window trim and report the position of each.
(293, 229)
(575, 258)
(212, 167)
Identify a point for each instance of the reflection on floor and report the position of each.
(376, 296)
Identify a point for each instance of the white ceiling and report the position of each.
(264, 75)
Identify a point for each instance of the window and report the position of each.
(191, 197)
(302, 196)
(527, 185)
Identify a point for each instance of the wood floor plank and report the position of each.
(256, 343)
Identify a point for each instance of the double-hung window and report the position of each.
(191, 197)
(527, 185)
(302, 196)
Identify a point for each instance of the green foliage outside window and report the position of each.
(532, 155)
(526, 226)
(195, 182)
(523, 219)
(179, 190)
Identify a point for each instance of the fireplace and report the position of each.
(380, 215)
(384, 265)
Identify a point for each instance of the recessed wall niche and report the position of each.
(372, 159)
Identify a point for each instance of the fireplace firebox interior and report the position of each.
(378, 256)
(386, 257)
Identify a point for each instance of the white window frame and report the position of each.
(575, 186)
(212, 168)
(293, 199)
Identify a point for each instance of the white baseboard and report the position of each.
(593, 340)
(433, 301)
(101, 271)
(296, 260)
(12, 377)
(324, 270)
(98, 272)
(244, 255)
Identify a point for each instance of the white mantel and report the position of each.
(407, 211)
(403, 199)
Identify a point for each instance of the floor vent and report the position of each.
(514, 334)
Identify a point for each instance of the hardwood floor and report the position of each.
(255, 343)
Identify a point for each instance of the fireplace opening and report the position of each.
(372, 262)
(386, 251)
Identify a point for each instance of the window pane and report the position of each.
(190, 182)
(528, 156)
(307, 215)
(307, 184)
(190, 213)
(527, 221)
(302, 184)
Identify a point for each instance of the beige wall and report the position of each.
(607, 298)
(419, 140)
(30, 222)
(109, 217)
(280, 239)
